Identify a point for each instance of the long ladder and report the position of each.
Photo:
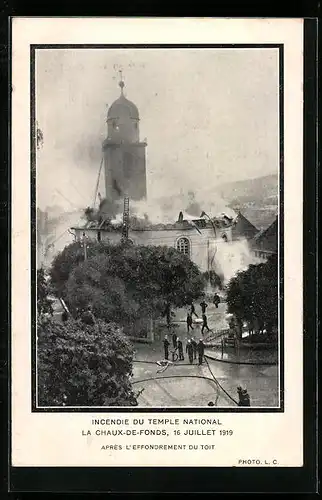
(126, 218)
(97, 182)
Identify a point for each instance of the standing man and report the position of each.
(216, 300)
(189, 350)
(204, 324)
(201, 350)
(180, 350)
(193, 310)
(194, 345)
(174, 340)
(166, 344)
(189, 322)
(203, 306)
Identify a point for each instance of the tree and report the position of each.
(44, 304)
(252, 296)
(125, 283)
(65, 261)
(83, 365)
(91, 283)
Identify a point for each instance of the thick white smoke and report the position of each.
(165, 210)
(58, 236)
(228, 258)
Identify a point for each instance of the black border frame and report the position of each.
(205, 480)
(186, 409)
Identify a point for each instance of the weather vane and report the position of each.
(121, 82)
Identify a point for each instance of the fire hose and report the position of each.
(213, 379)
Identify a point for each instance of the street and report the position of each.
(182, 384)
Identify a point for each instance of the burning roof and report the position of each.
(184, 221)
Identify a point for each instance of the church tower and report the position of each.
(124, 154)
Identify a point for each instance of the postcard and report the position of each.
(157, 171)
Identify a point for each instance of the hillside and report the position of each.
(258, 190)
(256, 198)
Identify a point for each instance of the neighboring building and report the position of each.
(242, 228)
(265, 243)
(124, 153)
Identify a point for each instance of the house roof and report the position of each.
(270, 230)
(242, 227)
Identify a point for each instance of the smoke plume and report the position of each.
(228, 258)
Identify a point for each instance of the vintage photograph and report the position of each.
(157, 195)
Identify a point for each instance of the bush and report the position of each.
(83, 365)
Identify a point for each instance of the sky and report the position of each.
(209, 116)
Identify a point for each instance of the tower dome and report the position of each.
(123, 119)
(123, 106)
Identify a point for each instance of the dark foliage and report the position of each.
(67, 260)
(252, 296)
(125, 283)
(83, 365)
(44, 304)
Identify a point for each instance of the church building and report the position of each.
(125, 180)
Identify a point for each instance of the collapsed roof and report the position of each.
(184, 221)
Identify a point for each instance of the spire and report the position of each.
(121, 82)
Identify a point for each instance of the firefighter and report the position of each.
(166, 344)
(193, 310)
(204, 323)
(203, 306)
(244, 399)
(180, 350)
(201, 350)
(216, 300)
(189, 322)
(194, 345)
(189, 350)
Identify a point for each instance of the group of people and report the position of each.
(192, 348)
(192, 311)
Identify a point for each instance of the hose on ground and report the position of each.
(219, 385)
(153, 363)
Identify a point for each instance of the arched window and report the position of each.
(183, 246)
